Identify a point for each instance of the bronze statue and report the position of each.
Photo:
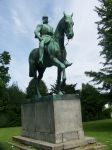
(43, 32)
(53, 51)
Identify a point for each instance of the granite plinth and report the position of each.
(54, 119)
(53, 123)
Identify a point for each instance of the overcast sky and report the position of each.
(18, 20)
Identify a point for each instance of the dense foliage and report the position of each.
(66, 89)
(10, 110)
(104, 76)
(16, 96)
(92, 103)
(10, 97)
(4, 79)
(4, 62)
(31, 89)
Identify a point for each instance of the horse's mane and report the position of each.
(59, 23)
(59, 29)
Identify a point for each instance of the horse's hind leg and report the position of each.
(36, 88)
(32, 69)
(40, 75)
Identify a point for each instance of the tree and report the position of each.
(10, 110)
(4, 61)
(15, 98)
(92, 103)
(67, 89)
(31, 89)
(104, 76)
(16, 95)
(4, 79)
(10, 97)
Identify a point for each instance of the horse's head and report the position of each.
(68, 25)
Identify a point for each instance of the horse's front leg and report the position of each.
(63, 79)
(61, 67)
(59, 74)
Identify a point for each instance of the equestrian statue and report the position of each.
(51, 51)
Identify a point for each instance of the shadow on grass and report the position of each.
(6, 146)
(2, 147)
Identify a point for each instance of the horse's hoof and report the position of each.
(60, 93)
(37, 97)
(68, 64)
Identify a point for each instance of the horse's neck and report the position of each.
(59, 34)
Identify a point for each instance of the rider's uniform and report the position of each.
(43, 32)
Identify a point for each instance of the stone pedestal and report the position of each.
(53, 119)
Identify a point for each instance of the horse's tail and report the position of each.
(33, 62)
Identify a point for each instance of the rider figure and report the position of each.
(43, 32)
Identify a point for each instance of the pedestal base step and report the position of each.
(20, 146)
(87, 144)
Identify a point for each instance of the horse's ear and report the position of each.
(64, 14)
(72, 15)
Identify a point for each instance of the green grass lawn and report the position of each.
(6, 136)
(101, 130)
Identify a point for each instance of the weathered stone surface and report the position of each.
(81, 134)
(28, 117)
(44, 117)
(53, 119)
(70, 136)
(74, 144)
(67, 115)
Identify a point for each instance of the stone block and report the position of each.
(28, 116)
(53, 119)
(44, 121)
(70, 136)
(74, 144)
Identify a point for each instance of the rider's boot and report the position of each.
(67, 64)
(62, 66)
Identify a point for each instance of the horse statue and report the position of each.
(54, 54)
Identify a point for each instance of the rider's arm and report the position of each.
(37, 32)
